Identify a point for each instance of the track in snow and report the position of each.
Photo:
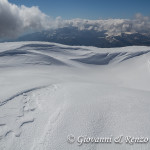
(50, 91)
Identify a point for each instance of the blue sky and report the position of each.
(89, 9)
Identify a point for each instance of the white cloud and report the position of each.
(114, 26)
(15, 20)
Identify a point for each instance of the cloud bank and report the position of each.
(139, 23)
(15, 20)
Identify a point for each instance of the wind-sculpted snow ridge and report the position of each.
(55, 96)
(39, 53)
(22, 93)
(106, 58)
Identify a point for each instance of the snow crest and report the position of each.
(50, 91)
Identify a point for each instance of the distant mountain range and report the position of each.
(75, 36)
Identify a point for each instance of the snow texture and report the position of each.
(50, 91)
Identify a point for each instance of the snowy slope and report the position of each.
(50, 91)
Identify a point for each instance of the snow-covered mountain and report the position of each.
(89, 37)
(51, 91)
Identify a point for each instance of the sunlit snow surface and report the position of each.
(49, 91)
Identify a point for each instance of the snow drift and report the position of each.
(50, 91)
